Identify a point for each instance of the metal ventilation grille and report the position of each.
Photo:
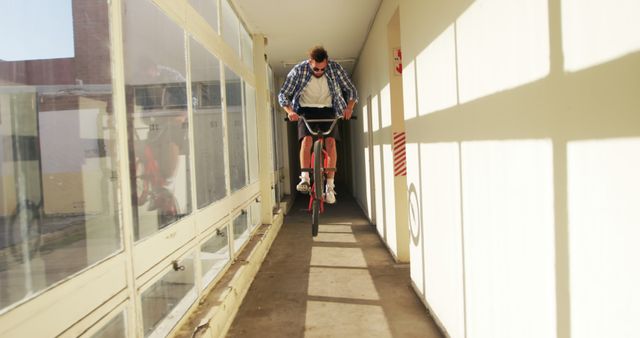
(347, 64)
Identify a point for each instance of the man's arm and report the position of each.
(287, 91)
(348, 111)
(349, 88)
(291, 114)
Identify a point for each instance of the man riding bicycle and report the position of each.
(321, 96)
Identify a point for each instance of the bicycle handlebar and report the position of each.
(318, 132)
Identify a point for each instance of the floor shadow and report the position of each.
(342, 283)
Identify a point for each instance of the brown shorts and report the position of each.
(317, 113)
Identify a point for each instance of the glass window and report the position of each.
(255, 214)
(252, 131)
(236, 131)
(157, 117)
(167, 300)
(115, 328)
(247, 47)
(208, 9)
(58, 192)
(230, 26)
(208, 124)
(240, 230)
(214, 255)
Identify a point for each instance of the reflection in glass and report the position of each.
(236, 130)
(208, 9)
(247, 47)
(58, 192)
(164, 302)
(230, 26)
(208, 124)
(214, 255)
(255, 214)
(115, 328)
(249, 109)
(240, 230)
(157, 117)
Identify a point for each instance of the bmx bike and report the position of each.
(318, 168)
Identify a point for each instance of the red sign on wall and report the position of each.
(399, 154)
(397, 61)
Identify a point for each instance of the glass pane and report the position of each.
(236, 130)
(157, 117)
(255, 214)
(240, 230)
(115, 328)
(214, 255)
(247, 47)
(58, 192)
(252, 131)
(167, 300)
(208, 124)
(208, 9)
(230, 26)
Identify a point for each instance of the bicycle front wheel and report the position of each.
(315, 215)
(317, 170)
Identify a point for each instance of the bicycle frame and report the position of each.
(318, 167)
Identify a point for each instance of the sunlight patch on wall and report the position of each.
(390, 200)
(385, 104)
(443, 234)
(502, 44)
(437, 83)
(375, 116)
(598, 31)
(604, 228)
(378, 167)
(365, 119)
(414, 216)
(509, 238)
(367, 167)
(409, 91)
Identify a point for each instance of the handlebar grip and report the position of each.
(286, 119)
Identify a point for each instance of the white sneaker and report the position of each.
(303, 186)
(330, 195)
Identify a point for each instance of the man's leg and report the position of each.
(330, 146)
(305, 159)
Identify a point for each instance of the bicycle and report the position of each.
(318, 168)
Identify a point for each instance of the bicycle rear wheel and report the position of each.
(318, 180)
(315, 215)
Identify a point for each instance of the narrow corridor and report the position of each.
(343, 283)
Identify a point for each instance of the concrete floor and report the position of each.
(343, 283)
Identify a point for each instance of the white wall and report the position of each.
(377, 200)
(523, 151)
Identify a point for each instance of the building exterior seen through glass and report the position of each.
(58, 204)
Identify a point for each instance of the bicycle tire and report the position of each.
(318, 181)
(315, 217)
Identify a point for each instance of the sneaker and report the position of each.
(303, 186)
(330, 195)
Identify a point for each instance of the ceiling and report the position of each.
(292, 27)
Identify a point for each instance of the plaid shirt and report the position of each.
(340, 86)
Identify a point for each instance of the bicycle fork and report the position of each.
(325, 164)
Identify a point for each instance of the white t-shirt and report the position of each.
(316, 93)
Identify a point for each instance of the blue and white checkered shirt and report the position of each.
(340, 86)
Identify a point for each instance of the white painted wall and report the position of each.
(523, 150)
(372, 79)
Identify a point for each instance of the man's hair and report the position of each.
(318, 54)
